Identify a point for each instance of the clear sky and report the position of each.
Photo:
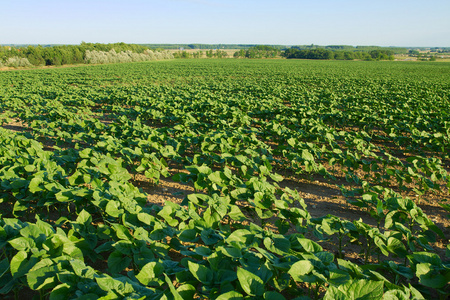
(286, 22)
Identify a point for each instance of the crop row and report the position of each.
(74, 224)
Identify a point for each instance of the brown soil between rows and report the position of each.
(321, 195)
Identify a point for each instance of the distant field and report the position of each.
(219, 179)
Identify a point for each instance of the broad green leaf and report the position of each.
(271, 295)
(231, 295)
(250, 283)
(61, 292)
(364, 289)
(149, 272)
(113, 209)
(172, 289)
(188, 235)
(242, 236)
(84, 218)
(279, 245)
(338, 277)
(428, 277)
(236, 214)
(81, 269)
(299, 269)
(201, 273)
(333, 293)
(395, 295)
(146, 218)
(22, 243)
(42, 275)
(34, 185)
(210, 236)
(309, 245)
(186, 291)
(117, 262)
(203, 251)
(396, 246)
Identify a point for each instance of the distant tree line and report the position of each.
(261, 51)
(66, 54)
(199, 54)
(322, 53)
(395, 50)
(216, 54)
(56, 55)
(207, 46)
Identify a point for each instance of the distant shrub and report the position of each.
(17, 62)
(103, 57)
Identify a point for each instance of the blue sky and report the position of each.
(287, 22)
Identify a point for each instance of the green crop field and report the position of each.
(226, 179)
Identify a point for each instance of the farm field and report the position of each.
(226, 179)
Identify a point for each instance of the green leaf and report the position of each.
(149, 272)
(119, 285)
(117, 262)
(186, 291)
(271, 295)
(300, 269)
(396, 246)
(122, 232)
(309, 245)
(42, 275)
(250, 283)
(63, 196)
(243, 236)
(203, 251)
(338, 277)
(232, 252)
(333, 293)
(224, 275)
(84, 218)
(34, 185)
(210, 237)
(20, 265)
(61, 292)
(364, 289)
(4, 267)
(276, 177)
(22, 243)
(428, 277)
(6, 288)
(306, 155)
(236, 214)
(278, 244)
(172, 289)
(188, 235)
(415, 294)
(146, 218)
(231, 295)
(113, 209)
(395, 295)
(201, 273)
(81, 270)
